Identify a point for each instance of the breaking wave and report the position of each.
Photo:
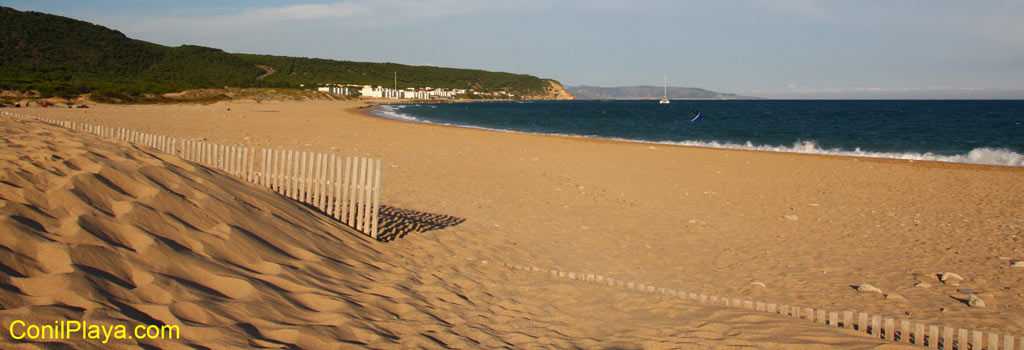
(981, 155)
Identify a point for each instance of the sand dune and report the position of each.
(114, 233)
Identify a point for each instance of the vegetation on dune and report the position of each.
(64, 57)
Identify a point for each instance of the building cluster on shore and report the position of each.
(425, 93)
(368, 91)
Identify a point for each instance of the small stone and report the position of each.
(965, 291)
(894, 296)
(756, 283)
(1018, 263)
(942, 309)
(975, 301)
(922, 284)
(790, 217)
(866, 288)
(951, 278)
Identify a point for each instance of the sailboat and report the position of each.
(664, 98)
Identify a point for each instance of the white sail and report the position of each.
(664, 97)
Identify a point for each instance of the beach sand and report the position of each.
(243, 267)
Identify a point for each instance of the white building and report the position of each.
(338, 89)
(369, 91)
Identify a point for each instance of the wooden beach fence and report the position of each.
(345, 188)
(897, 330)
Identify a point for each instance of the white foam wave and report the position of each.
(982, 155)
(392, 112)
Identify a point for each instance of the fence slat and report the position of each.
(310, 179)
(314, 190)
(350, 189)
(243, 162)
(233, 160)
(918, 334)
(296, 180)
(322, 200)
(302, 176)
(240, 164)
(367, 195)
(278, 168)
(361, 178)
(337, 185)
(329, 185)
(285, 172)
(904, 331)
(376, 201)
(275, 170)
(263, 169)
(961, 339)
(236, 159)
(271, 169)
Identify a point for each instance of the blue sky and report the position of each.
(767, 48)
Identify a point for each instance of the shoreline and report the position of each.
(371, 106)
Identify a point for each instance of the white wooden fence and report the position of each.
(347, 188)
(876, 326)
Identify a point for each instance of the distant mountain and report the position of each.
(646, 92)
(65, 57)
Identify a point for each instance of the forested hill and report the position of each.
(62, 56)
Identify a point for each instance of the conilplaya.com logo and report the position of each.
(69, 330)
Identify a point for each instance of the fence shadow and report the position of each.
(396, 223)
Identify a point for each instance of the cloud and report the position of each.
(794, 90)
(802, 8)
(364, 13)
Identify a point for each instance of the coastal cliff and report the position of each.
(554, 91)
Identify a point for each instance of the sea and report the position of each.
(959, 131)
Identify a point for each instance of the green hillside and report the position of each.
(66, 57)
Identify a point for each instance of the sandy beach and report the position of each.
(107, 231)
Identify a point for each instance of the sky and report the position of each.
(765, 48)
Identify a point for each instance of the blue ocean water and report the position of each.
(983, 132)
